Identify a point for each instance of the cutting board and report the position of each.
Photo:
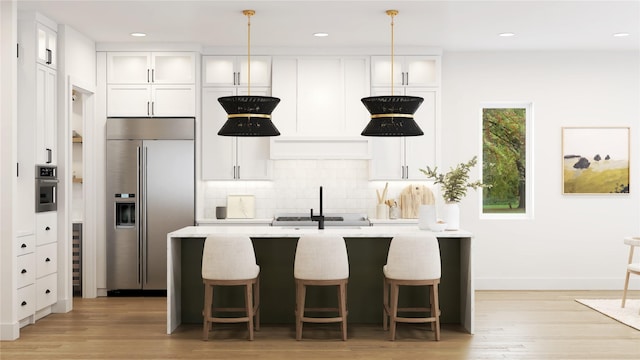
(412, 197)
(241, 206)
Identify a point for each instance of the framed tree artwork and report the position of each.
(595, 160)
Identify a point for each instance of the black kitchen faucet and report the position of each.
(318, 218)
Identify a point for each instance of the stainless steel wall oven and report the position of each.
(46, 188)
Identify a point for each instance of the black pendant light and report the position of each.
(392, 115)
(248, 115)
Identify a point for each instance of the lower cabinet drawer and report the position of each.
(46, 259)
(46, 291)
(26, 266)
(26, 301)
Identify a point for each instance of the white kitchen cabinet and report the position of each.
(226, 71)
(231, 158)
(151, 100)
(160, 84)
(47, 45)
(45, 129)
(400, 158)
(420, 71)
(151, 68)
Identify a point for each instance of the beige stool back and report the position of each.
(321, 257)
(227, 257)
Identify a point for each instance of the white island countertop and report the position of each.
(290, 231)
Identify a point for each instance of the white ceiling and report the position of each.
(449, 25)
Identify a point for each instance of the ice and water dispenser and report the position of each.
(125, 210)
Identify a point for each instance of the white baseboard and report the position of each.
(9, 331)
(554, 284)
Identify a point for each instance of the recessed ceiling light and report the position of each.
(506, 34)
(320, 34)
(621, 34)
(138, 34)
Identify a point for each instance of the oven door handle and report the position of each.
(48, 181)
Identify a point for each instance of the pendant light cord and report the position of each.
(392, 13)
(248, 13)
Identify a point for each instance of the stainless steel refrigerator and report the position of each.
(150, 177)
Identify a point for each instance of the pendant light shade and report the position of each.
(392, 115)
(248, 115)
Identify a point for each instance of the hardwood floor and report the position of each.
(509, 325)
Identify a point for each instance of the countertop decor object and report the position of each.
(241, 206)
(248, 115)
(392, 115)
(412, 197)
(455, 182)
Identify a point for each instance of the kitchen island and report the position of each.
(275, 248)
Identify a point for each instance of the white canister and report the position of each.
(382, 211)
(426, 216)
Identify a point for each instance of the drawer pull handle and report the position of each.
(48, 291)
(47, 260)
(47, 228)
(23, 246)
(24, 271)
(24, 303)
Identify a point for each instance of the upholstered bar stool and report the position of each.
(230, 261)
(321, 260)
(413, 260)
(632, 268)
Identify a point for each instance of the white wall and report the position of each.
(572, 242)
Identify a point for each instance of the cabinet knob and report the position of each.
(47, 228)
(24, 271)
(47, 260)
(23, 246)
(47, 291)
(24, 303)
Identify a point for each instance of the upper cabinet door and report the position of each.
(47, 45)
(173, 68)
(408, 71)
(128, 68)
(381, 71)
(234, 71)
(150, 68)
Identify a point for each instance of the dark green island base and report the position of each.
(275, 256)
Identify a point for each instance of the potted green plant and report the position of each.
(454, 185)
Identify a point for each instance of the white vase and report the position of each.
(451, 215)
(426, 216)
(382, 211)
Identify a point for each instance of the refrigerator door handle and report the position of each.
(139, 226)
(145, 232)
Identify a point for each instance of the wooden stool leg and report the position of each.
(342, 302)
(385, 304)
(208, 299)
(248, 300)
(256, 303)
(393, 310)
(626, 285)
(300, 300)
(435, 309)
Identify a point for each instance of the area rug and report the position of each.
(629, 315)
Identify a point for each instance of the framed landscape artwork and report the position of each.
(595, 160)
